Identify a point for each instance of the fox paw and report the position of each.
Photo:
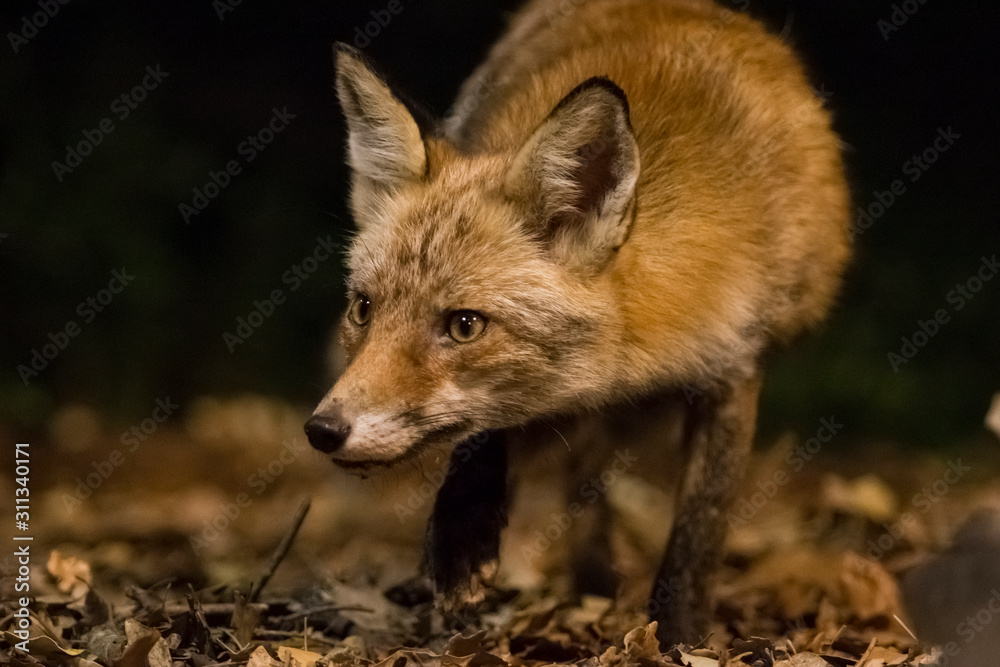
(462, 599)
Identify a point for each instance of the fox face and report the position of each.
(478, 284)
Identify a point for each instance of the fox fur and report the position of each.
(630, 196)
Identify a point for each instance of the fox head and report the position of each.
(477, 282)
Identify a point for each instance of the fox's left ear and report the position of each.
(385, 148)
(578, 172)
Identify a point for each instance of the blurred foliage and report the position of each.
(163, 335)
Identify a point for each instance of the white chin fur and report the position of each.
(377, 440)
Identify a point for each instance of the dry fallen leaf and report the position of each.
(869, 590)
(882, 656)
(43, 647)
(698, 661)
(260, 658)
(803, 660)
(141, 642)
(71, 574)
(245, 619)
(792, 585)
(868, 496)
(641, 643)
(800, 577)
(295, 657)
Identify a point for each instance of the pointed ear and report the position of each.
(578, 173)
(385, 148)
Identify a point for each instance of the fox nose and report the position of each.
(327, 432)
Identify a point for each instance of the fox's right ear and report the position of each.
(385, 148)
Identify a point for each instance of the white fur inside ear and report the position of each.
(578, 172)
(384, 143)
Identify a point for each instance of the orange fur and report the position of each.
(659, 225)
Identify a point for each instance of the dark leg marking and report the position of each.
(470, 511)
(720, 434)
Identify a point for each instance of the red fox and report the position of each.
(628, 196)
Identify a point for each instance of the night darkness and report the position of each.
(250, 85)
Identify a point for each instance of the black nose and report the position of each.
(327, 432)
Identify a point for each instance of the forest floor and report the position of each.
(181, 544)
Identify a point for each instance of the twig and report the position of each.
(908, 631)
(291, 634)
(211, 608)
(328, 607)
(280, 553)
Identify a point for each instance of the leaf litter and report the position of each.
(166, 564)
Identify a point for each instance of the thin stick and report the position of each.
(280, 553)
(908, 631)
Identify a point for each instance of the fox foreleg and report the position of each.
(470, 511)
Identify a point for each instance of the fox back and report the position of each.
(628, 195)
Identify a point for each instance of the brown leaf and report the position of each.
(468, 652)
(882, 656)
(460, 645)
(868, 589)
(641, 643)
(246, 617)
(534, 618)
(698, 661)
(294, 657)
(803, 660)
(141, 641)
(44, 646)
(868, 496)
(260, 658)
(159, 656)
(72, 575)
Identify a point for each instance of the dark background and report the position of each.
(163, 335)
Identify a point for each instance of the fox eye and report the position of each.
(361, 310)
(465, 326)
